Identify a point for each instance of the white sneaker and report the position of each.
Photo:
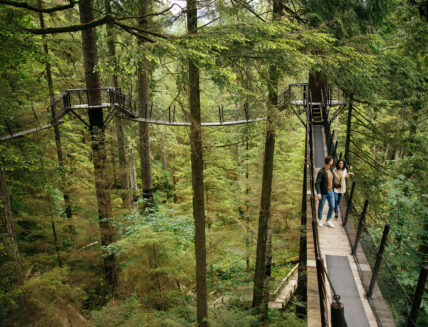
(330, 224)
(320, 223)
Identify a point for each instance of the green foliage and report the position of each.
(375, 50)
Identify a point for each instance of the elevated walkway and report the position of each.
(336, 253)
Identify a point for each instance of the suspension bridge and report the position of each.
(348, 280)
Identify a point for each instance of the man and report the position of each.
(324, 187)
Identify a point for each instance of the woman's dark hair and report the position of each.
(338, 162)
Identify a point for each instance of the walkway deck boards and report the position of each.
(340, 272)
(333, 241)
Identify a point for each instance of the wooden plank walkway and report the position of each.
(28, 131)
(333, 241)
(285, 290)
(207, 124)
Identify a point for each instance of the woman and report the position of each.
(340, 174)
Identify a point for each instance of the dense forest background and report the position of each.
(245, 52)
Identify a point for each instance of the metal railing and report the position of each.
(336, 309)
(389, 299)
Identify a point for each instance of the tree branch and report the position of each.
(42, 10)
(130, 31)
(294, 14)
(248, 7)
(138, 29)
(72, 28)
(148, 15)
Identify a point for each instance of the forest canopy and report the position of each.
(118, 215)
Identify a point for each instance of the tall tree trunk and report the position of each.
(164, 153)
(317, 85)
(144, 129)
(265, 203)
(120, 134)
(263, 251)
(96, 122)
(58, 253)
(63, 183)
(113, 183)
(197, 175)
(132, 172)
(9, 242)
(247, 214)
(268, 273)
(348, 130)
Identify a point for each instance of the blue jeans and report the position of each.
(330, 198)
(337, 197)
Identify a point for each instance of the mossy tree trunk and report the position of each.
(197, 175)
(119, 123)
(96, 123)
(48, 71)
(263, 263)
(144, 129)
(10, 252)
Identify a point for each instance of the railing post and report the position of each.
(304, 96)
(66, 100)
(337, 312)
(418, 296)
(348, 206)
(321, 289)
(379, 257)
(87, 96)
(360, 227)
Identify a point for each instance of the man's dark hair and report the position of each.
(338, 162)
(328, 159)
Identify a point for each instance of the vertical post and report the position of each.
(378, 260)
(418, 296)
(360, 227)
(337, 312)
(87, 96)
(219, 114)
(321, 289)
(173, 116)
(301, 276)
(304, 95)
(349, 204)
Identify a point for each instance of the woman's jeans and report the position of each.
(330, 198)
(337, 197)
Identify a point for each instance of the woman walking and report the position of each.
(340, 174)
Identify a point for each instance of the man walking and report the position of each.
(324, 187)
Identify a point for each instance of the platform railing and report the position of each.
(336, 317)
(404, 308)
